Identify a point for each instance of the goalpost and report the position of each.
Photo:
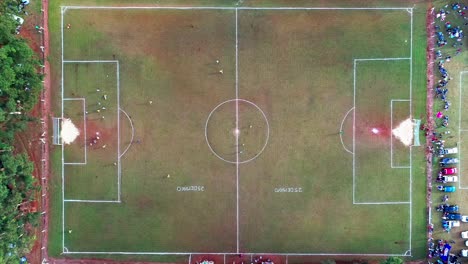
(57, 127)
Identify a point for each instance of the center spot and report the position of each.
(237, 131)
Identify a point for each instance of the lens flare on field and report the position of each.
(404, 132)
(375, 130)
(236, 132)
(69, 131)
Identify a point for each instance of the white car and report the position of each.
(464, 252)
(452, 150)
(18, 19)
(464, 234)
(466, 243)
(464, 218)
(452, 223)
(450, 178)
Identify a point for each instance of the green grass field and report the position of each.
(287, 181)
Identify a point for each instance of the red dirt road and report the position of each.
(430, 58)
(45, 114)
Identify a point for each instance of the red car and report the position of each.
(449, 171)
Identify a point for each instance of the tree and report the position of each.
(17, 189)
(20, 84)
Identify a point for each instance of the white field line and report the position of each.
(119, 167)
(382, 59)
(391, 135)
(267, 132)
(354, 132)
(341, 130)
(91, 61)
(233, 8)
(411, 147)
(64, 8)
(224, 259)
(63, 166)
(383, 203)
(190, 259)
(460, 130)
(133, 133)
(237, 137)
(228, 253)
(85, 132)
(90, 201)
(119, 177)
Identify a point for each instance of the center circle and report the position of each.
(237, 131)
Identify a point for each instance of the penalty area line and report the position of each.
(90, 61)
(383, 203)
(90, 201)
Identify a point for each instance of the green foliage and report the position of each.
(20, 84)
(17, 189)
(7, 29)
(392, 260)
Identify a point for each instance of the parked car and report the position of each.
(451, 209)
(19, 22)
(464, 218)
(18, 19)
(464, 234)
(448, 224)
(464, 253)
(454, 216)
(448, 161)
(449, 171)
(450, 178)
(447, 151)
(446, 188)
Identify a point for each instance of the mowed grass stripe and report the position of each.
(401, 112)
(75, 110)
(167, 58)
(305, 91)
(97, 84)
(377, 83)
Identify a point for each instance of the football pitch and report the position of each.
(228, 130)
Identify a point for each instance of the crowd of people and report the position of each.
(449, 39)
